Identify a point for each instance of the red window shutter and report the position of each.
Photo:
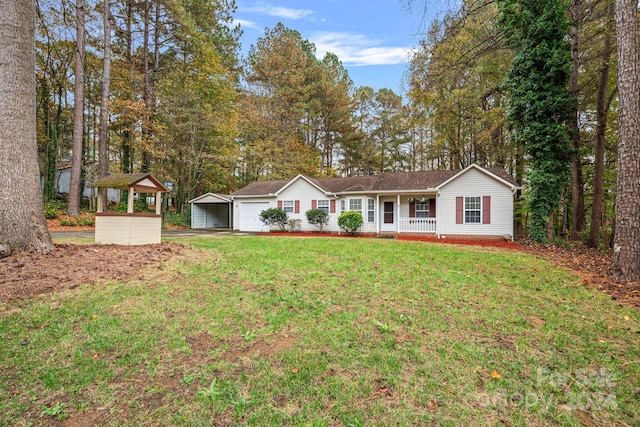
(279, 204)
(432, 208)
(332, 206)
(314, 204)
(297, 206)
(486, 209)
(459, 210)
(412, 209)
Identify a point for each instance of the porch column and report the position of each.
(158, 202)
(398, 213)
(130, 201)
(438, 215)
(378, 214)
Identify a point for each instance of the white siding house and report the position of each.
(469, 202)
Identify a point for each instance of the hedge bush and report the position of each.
(350, 221)
(275, 216)
(317, 217)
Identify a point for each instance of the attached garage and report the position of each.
(211, 211)
(250, 216)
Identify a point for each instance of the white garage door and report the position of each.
(250, 216)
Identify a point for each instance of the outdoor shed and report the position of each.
(129, 228)
(211, 211)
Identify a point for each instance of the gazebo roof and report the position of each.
(140, 182)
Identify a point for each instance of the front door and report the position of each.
(388, 217)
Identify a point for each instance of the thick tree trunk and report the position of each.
(22, 223)
(602, 108)
(103, 141)
(626, 247)
(75, 194)
(577, 184)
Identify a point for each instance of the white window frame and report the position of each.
(343, 205)
(371, 210)
(422, 209)
(288, 206)
(323, 204)
(352, 202)
(472, 206)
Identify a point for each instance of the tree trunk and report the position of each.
(577, 184)
(22, 224)
(75, 195)
(103, 141)
(626, 247)
(146, 132)
(602, 108)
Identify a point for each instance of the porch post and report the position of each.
(398, 213)
(378, 214)
(438, 214)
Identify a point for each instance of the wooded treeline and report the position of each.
(185, 106)
(463, 74)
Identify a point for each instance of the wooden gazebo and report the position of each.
(129, 228)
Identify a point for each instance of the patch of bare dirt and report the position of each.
(591, 265)
(68, 266)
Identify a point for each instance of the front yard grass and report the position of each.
(324, 331)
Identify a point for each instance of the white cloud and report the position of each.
(279, 12)
(245, 23)
(358, 50)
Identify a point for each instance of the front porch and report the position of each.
(408, 214)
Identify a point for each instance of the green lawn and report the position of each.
(322, 332)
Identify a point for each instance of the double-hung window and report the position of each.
(371, 210)
(324, 205)
(472, 210)
(355, 205)
(422, 209)
(287, 206)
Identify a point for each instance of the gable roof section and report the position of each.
(211, 198)
(498, 174)
(384, 182)
(305, 178)
(140, 182)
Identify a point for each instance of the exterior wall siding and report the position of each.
(476, 183)
(128, 229)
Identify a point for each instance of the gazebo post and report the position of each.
(130, 201)
(158, 202)
(100, 208)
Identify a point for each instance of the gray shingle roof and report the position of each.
(400, 181)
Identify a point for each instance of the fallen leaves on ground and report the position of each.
(68, 266)
(593, 266)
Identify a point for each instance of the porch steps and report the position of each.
(387, 236)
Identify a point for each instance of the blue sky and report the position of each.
(372, 38)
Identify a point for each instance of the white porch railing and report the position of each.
(417, 225)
